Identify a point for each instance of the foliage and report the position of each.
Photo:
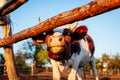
(28, 48)
(110, 61)
(107, 61)
(36, 52)
(41, 57)
(105, 58)
(98, 64)
(114, 61)
(39, 54)
(20, 60)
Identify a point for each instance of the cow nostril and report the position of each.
(50, 40)
(60, 39)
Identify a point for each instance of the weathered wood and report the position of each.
(6, 4)
(89, 10)
(2, 21)
(10, 6)
(9, 55)
(8, 50)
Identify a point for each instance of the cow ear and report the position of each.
(39, 39)
(80, 32)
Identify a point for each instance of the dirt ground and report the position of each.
(48, 76)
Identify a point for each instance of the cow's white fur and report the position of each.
(76, 60)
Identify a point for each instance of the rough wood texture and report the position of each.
(9, 54)
(80, 13)
(2, 22)
(8, 50)
(11, 6)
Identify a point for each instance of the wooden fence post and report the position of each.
(8, 50)
(9, 55)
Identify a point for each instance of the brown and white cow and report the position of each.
(69, 47)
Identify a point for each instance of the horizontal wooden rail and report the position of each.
(89, 10)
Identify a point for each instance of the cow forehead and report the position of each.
(60, 30)
(57, 34)
(54, 34)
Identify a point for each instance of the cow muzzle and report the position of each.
(56, 50)
(55, 44)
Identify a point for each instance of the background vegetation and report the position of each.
(37, 54)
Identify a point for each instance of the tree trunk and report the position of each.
(8, 50)
(91, 9)
(10, 6)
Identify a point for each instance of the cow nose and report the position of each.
(55, 41)
(59, 39)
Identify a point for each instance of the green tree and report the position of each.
(20, 59)
(99, 64)
(36, 52)
(28, 49)
(41, 58)
(115, 61)
(105, 57)
(105, 60)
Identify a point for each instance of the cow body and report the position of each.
(70, 49)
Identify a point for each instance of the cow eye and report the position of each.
(60, 39)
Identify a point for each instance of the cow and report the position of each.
(69, 46)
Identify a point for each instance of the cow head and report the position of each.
(56, 42)
(59, 41)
